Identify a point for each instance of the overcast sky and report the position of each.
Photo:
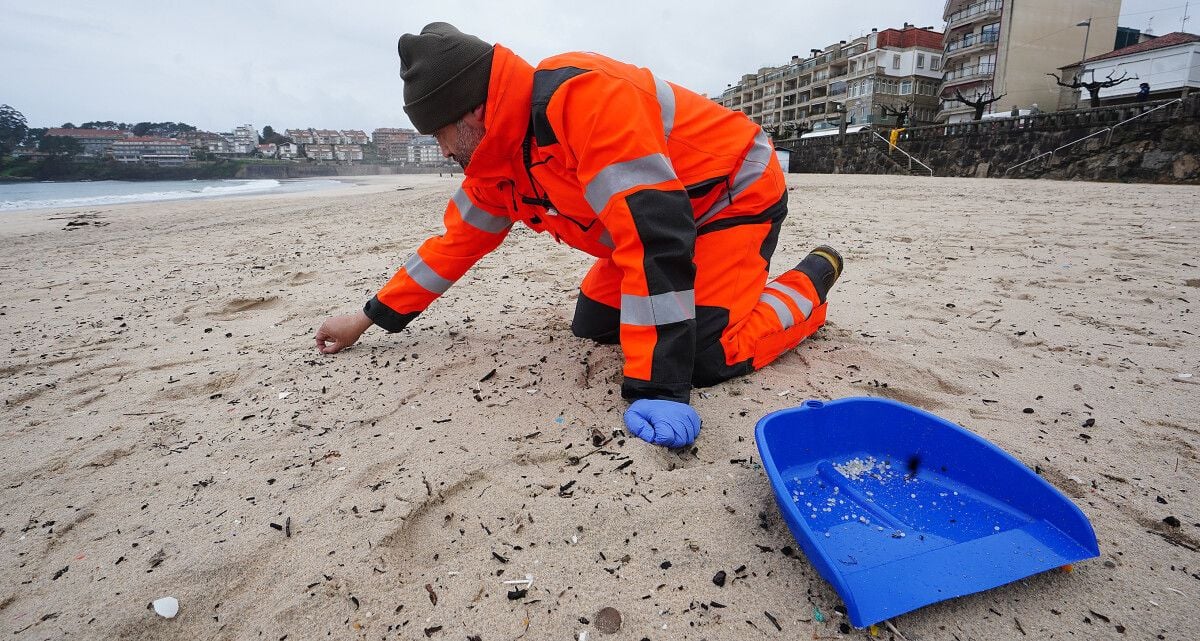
(216, 64)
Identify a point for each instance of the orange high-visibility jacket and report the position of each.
(614, 161)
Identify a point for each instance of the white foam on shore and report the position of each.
(110, 192)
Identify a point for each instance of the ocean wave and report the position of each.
(246, 186)
(61, 195)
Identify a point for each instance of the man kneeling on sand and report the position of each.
(679, 199)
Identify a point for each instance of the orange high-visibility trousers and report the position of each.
(743, 322)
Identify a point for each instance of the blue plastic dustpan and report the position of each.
(898, 508)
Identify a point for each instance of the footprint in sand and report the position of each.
(200, 389)
(301, 278)
(238, 306)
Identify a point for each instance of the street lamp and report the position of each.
(1086, 23)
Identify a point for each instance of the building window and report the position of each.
(896, 61)
(935, 63)
(920, 61)
(905, 87)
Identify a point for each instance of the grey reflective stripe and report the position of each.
(660, 309)
(803, 304)
(781, 310)
(425, 276)
(617, 177)
(606, 240)
(476, 217)
(755, 163)
(666, 104)
(753, 167)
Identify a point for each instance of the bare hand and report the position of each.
(340, 332)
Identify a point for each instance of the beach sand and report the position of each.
(167, 422)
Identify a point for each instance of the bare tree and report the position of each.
(1093, 87)
(839, 108)
(980, 103)
(900, 114)
(793, 130)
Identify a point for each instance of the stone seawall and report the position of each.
(313, 170)
(1161, 145)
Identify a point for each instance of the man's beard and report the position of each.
(468, 140)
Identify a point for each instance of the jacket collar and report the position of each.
(506, 117)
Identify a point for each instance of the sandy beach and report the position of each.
(170, 430)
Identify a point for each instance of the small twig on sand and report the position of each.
(895, 631)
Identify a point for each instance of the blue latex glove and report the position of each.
(661, 422)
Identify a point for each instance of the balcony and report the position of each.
(974, 12)
(970, 41)
(866, 70)
(968, 73)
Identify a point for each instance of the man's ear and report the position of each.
(475, 116)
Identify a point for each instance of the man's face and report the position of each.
(460, 139)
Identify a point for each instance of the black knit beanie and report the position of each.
(445, 73)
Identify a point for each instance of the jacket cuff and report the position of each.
(386, 317)
(636, 389)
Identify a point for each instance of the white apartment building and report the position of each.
(301, 136)
(900, 69)
(245, 139)
(95, 142)
(347, 152)
(424, 150)
(392, 143)
(1005, 47)
(158, 151)
(319, 152)
(355, 137)
(895, 67)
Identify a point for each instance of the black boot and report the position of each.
(822, 265)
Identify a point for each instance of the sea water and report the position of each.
(43, 195)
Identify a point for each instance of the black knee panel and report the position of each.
(710, 367)
(596, 321)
